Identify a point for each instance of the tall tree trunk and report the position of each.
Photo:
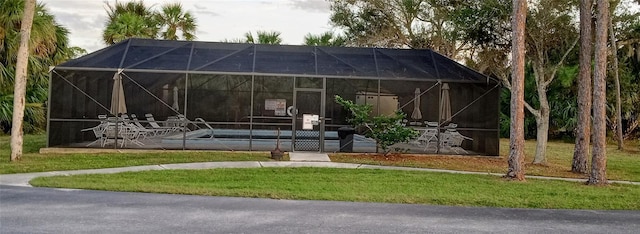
(616, 78)
(542, 124)
(583, 128)
(598, 174)
(20, 87)
(516, 142)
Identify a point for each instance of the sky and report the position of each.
(217, 20)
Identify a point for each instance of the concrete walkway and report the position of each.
(24, 178)
(308, 157)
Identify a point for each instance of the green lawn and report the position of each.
(345, 184)
(32, 161)
(621, 165)
(363, 185)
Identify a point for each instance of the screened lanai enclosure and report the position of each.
(155, 94)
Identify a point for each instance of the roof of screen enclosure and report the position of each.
(149, 55)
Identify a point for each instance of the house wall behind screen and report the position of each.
(347, 89)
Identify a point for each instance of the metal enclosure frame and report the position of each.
(249, 72)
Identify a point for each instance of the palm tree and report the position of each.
(264, 37)
(173, 18)
(135, 7)
(128, 25)
(131, 19)
(20, 82)
(325, 39)
(48, 46)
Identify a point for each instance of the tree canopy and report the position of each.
(48, 47)
(325, 39)
(135, 19)
(263, 37)
(478, 32)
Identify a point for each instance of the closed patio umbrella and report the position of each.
(445, 104)
(118, 103)
(416, 114)
(175, 105)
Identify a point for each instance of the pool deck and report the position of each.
(238, 140)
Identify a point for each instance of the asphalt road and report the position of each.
(45, 210)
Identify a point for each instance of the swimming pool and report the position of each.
(261, 139)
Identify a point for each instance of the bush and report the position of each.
(386, 130)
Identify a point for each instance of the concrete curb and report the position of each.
(24, 178)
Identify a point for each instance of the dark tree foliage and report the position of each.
(48, 47)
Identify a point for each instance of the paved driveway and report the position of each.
(45, 210)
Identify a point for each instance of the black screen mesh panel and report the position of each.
(158, 56)
(450, 69)
(217, 57)
(270, 90)
(277, 59)
(219, 98)
(285, 60)
(207, 54)
(109, 57)
(404, 64)
(347, 89)
(154, 93)
(346, 62)
(80, 94)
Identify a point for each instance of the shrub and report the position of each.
(386, 130)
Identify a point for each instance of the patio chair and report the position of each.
(179, 122)
(431, 124)
(428, 137)
(144, 131)
(121, 133)
(97, 130)
(450, 126)
(452, 140)
(155, 125)
(113, 133)
(182, 123)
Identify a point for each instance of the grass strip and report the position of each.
(32, 161)
(621, 165)
(62, 162)
(362, 185)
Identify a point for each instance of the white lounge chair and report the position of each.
(122, 133)
(428, 137)
(146, 132)
(155, 125)
(98, 130)
(452, 140)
